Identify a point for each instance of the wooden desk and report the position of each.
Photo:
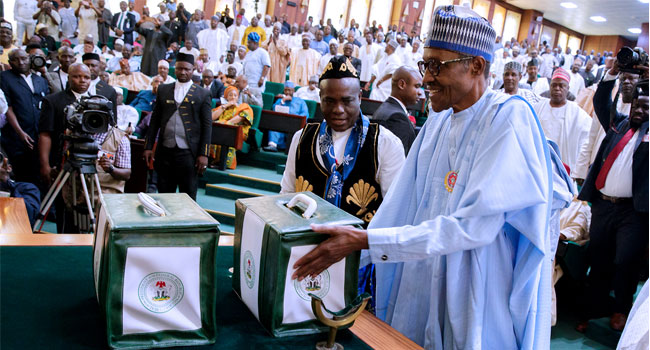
(368, 328)
(13, 216)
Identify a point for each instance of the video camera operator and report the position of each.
(617, 187)
(24, 92)
(114, 162)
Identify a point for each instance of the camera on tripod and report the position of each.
(37, 62)
(88, 116)
(627, 58)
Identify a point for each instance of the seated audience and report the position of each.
(146, 98)
(233, 113)
(132, 81)
(287, 104)
(311, 91)
(127, 116)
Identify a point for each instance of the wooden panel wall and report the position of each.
(600, 43)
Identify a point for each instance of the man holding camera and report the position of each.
(24, 92)
(617, 187)
(183, 116)
(114, 162)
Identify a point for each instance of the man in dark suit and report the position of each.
(123, 23)
(24, 92)
(52, 125)
(392, 114)
(182, 119)
(98, 86)
(348, 49)
(617, 187)
(215, 86)
(58, 79)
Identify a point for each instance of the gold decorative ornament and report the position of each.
(302, 185)
(362, 194)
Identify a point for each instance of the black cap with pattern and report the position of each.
(339, 67)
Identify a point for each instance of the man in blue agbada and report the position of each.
(461, 242)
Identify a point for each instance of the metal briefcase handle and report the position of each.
(309, 202)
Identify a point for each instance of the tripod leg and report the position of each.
(88, 203)
(51, 196)
(52, 188)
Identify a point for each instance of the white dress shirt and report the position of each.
(180, 90)
(619, 178)
(92, 88)
(28, 80)
(389, 151)
(78, 96)
(64, 78)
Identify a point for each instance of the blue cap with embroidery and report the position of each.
(254, 37)
(458, 28)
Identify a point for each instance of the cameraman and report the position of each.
(617, 187)
(24, 92)
(114, 144)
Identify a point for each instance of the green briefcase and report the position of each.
(269, 238)
(155, 277)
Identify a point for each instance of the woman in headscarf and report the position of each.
(234, 114)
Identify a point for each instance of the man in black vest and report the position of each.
(182, 114)
(617, 187)
(355, 161)
(393, 114)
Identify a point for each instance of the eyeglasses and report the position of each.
(433, 66)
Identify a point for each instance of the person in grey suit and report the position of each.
(246, 95)
(392, 114)
(183, 116)
(58, 79)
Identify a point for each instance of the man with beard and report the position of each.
(577, 81)
(563, 121)
(254, 28)
(511, 78)
(617, 187)
(536, 83)
(182, 116)
(58, 79)
(626, 82)
(24, 92)
(97, 86)
(461, 261)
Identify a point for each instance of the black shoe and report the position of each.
(270, 148)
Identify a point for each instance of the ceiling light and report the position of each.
(598, 19)
(644, 1)
(568, 5)
(634, 30)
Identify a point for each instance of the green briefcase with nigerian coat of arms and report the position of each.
(155, 276)
(269, 238)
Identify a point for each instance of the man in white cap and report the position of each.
(304, 63)
(461, 241)
(213, 39)
(311, 91)
(382, 73)
(563, 121)
(334, 46)
(163, 72)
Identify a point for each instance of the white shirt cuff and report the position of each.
(382, 243)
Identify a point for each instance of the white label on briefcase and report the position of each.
(329, 285)
(251, 252)
(161, 289)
